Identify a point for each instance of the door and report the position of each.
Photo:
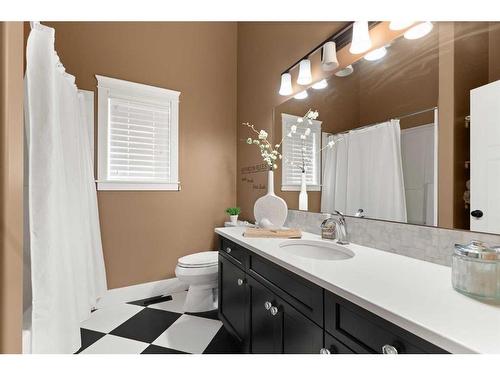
(266, 321)
(485, 158)
(233, 298)
(277, 327)
(300, 335)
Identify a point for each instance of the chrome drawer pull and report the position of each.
(228, 250)
(324, 351)
(241, 282)
(274, 310)
(268, 305)
(389, 349)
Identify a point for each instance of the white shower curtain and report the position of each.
(334, 186)
(67, 266)
(367, 173)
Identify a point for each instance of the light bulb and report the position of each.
(301, 95)
(376, 54)
(361, 41)
(286, 84)
(320, 84)
(329, 60)
(400, 25)
(305, 76)
(345, 72)
(419, 31)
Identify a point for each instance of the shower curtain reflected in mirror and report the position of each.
(62, 235)
(363, 170)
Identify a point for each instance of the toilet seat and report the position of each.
(203, 259)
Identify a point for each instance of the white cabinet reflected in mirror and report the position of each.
(415, 134)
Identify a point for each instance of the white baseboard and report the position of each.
(140, 291)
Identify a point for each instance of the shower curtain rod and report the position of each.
(392, 118)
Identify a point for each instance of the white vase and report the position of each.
(303, 201)
(233, 219)
(270, 208)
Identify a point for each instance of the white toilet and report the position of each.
(199, 271)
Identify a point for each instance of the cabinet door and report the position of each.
(300, 335)
(266, 331)
(233, 298)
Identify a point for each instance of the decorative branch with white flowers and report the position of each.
(270, 154)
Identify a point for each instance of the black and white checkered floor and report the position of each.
(158, 328)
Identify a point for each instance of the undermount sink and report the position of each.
(316, 250)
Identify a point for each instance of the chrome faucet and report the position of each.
(341, 229)
(335, 228)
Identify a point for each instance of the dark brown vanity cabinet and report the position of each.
(272, 310)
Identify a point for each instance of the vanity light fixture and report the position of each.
(361, 41)
(376, 54)
(329, 60)
(301, 95)
(400, 25)
(345, 71)
(354, 35)
(305, 76)
(320, 84)
(286, 84)
(419, 30)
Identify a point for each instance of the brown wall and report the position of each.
(144, 233)
(11, 186)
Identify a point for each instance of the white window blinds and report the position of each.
(298, 152)
(138, 136)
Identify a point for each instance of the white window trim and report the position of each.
(317, 187)
(131, 90)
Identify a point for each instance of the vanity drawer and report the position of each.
(365, 332)
(305, 296)
(234, 251)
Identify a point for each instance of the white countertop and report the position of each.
(411, 293)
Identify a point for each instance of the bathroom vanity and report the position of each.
(275, 301)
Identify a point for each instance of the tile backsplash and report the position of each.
(426, 243)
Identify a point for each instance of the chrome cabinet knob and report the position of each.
(241, 282)
(228, 250)
(324, 351)
(268, 305)
(389, 349)
(274, 310)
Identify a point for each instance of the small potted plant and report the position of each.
(233, 213)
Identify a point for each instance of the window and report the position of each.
(292, 154)
(137, 136)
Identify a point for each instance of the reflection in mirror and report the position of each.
(414, 129)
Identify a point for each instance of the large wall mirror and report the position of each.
(410, 133)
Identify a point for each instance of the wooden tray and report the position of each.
(271, 233)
